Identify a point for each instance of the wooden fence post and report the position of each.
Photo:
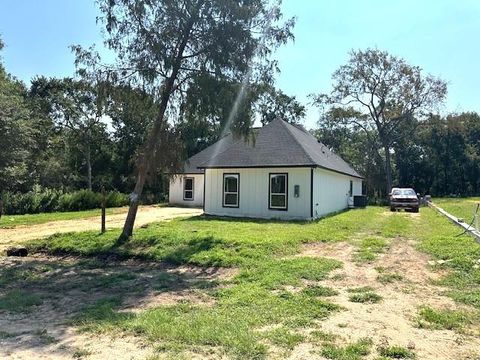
(103, 209)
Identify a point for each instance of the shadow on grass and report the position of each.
(254, 220)
(41, 297)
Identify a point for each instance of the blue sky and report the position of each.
(440, 36)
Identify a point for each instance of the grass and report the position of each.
(365, 295)
(257, 297)
(438, 237)
(18, 301)
(389, 278)
(254, 299)
(283, 337)
(370, 248)
(444, 319)
(212, 241)
(354, 351)
(460, 207)
(396, 352)
(365, 298)
(11, 221)
(318, 290)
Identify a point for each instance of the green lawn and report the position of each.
(9, 221)
(227, 242)
(459, 207)
(257, 308)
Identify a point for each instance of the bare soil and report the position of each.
(392, 321)
(145, 215)
(68, 285)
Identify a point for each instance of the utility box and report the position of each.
(360, 201)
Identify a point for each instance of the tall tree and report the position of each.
(382, 95)
(76, 106)
(18, 128)
(274, 103)
(166, 45)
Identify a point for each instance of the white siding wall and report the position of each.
(175, 196)
(254, 193)
(331, 191)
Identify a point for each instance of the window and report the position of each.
(350, 192)
(188, 188)
(278, 192)
(230, 190)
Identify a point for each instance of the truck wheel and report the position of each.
(392, 208)
(416, 210)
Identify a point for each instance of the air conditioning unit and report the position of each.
(360, 201)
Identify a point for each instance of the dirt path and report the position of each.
(392, 321)
(146, 214)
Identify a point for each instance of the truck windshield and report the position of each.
(408, 192)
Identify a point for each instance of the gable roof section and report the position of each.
(279, 144)
(192, 164)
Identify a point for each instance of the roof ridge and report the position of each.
(221, 152)
(296, 140)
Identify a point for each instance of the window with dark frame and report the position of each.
(231, 190)
(278, 192)
(188, 188)
(350, 192)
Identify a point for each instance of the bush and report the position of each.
(49, 200)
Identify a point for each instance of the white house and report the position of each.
(285, 173)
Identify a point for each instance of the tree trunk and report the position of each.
(132, 210)
(89, 167)
(388, 169)
(159, 126)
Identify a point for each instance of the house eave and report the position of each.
(280, 166)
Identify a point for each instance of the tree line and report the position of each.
(186, 72)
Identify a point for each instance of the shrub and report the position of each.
(116, 199)
(41, 200)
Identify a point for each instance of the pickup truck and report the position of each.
(404, 198)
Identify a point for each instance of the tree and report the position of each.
(165, 45)
(382, 95)
(274, 103)
(76, 106)
(354, 147)
(18, 129)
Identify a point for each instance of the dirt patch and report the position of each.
(68, 285)
(392, 321)
(146, 214)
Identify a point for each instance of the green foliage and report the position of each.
(210, 241)
(369, 249)
(318, 290)
(283, 337)
(48, 200)
(19, 301)
(463, 208)
(254, 299)
(276, 273)
(355, 351)
(460, 254)
(389, 278)
(364, 295)
(398, 93)
(444, 319)
(10, 221)
(396, 352)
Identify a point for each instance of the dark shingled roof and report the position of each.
(278, 144)
(192, 164)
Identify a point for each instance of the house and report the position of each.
(285, 173)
